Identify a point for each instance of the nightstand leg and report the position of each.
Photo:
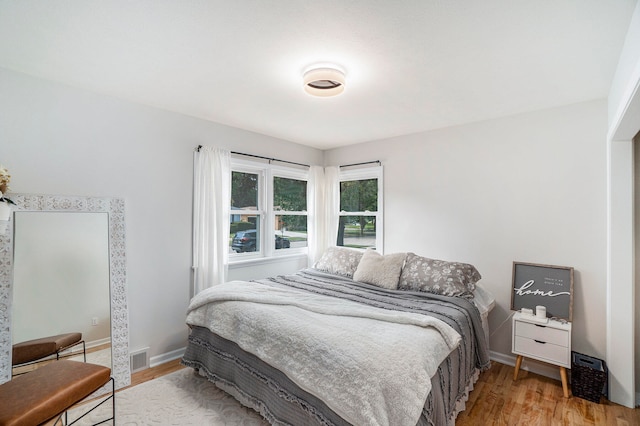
(563, 376)
(518, 362)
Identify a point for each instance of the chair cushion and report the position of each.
(32, 350)
(43, 394)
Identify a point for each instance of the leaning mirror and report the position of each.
(62, 269)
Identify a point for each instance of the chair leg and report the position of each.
(59, 419)
(112, 397)
(84, 350)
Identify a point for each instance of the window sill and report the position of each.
(256, 261)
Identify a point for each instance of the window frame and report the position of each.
(372, 172)
(265, 209)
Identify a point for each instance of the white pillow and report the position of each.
(379, 270)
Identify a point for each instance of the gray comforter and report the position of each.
(461, 365)
(344, 352)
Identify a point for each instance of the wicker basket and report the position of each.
(589, 377)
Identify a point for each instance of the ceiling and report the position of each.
(411, 65)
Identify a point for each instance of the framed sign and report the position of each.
(546, 285)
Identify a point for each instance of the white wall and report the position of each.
(531, 188)
(636, 163)
(623, 126)
(59, 140)
(625, 82)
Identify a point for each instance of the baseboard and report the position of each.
(166, 357)
(74, 350)
(530, 365)
(94, 343)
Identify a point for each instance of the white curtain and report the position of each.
(211, 197)
(332, 205)
(323, 201)
(315, 214)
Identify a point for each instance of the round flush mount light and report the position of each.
(323, 81)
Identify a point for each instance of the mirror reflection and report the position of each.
(61, 282)
(27, 309)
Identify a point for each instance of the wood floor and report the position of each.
(497, 399)
(535, 400)
(155, 372)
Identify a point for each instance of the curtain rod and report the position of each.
(362, 164)
(292, 162)
(264, 158)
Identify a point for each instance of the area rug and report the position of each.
(180, 398)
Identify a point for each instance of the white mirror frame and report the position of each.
(120, 370)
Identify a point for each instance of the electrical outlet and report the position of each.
(94, 321)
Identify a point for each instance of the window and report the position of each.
(290, 207)
(246, 212)
(268, 213)
(360, 217)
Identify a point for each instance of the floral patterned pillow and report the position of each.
(340, 261)
(438, 276)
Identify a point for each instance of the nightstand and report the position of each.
(550, 342)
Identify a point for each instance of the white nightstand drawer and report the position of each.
(550, 352)
(542, 333)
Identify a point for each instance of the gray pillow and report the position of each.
(438, 276)
(379, 270)
(339, 261)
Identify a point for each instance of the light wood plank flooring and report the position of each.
(535, 400)
(155, 372)
(497, 399)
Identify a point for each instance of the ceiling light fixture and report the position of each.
(323, 81)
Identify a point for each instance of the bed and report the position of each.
(330, 345)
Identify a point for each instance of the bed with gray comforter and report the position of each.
(315, 348)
